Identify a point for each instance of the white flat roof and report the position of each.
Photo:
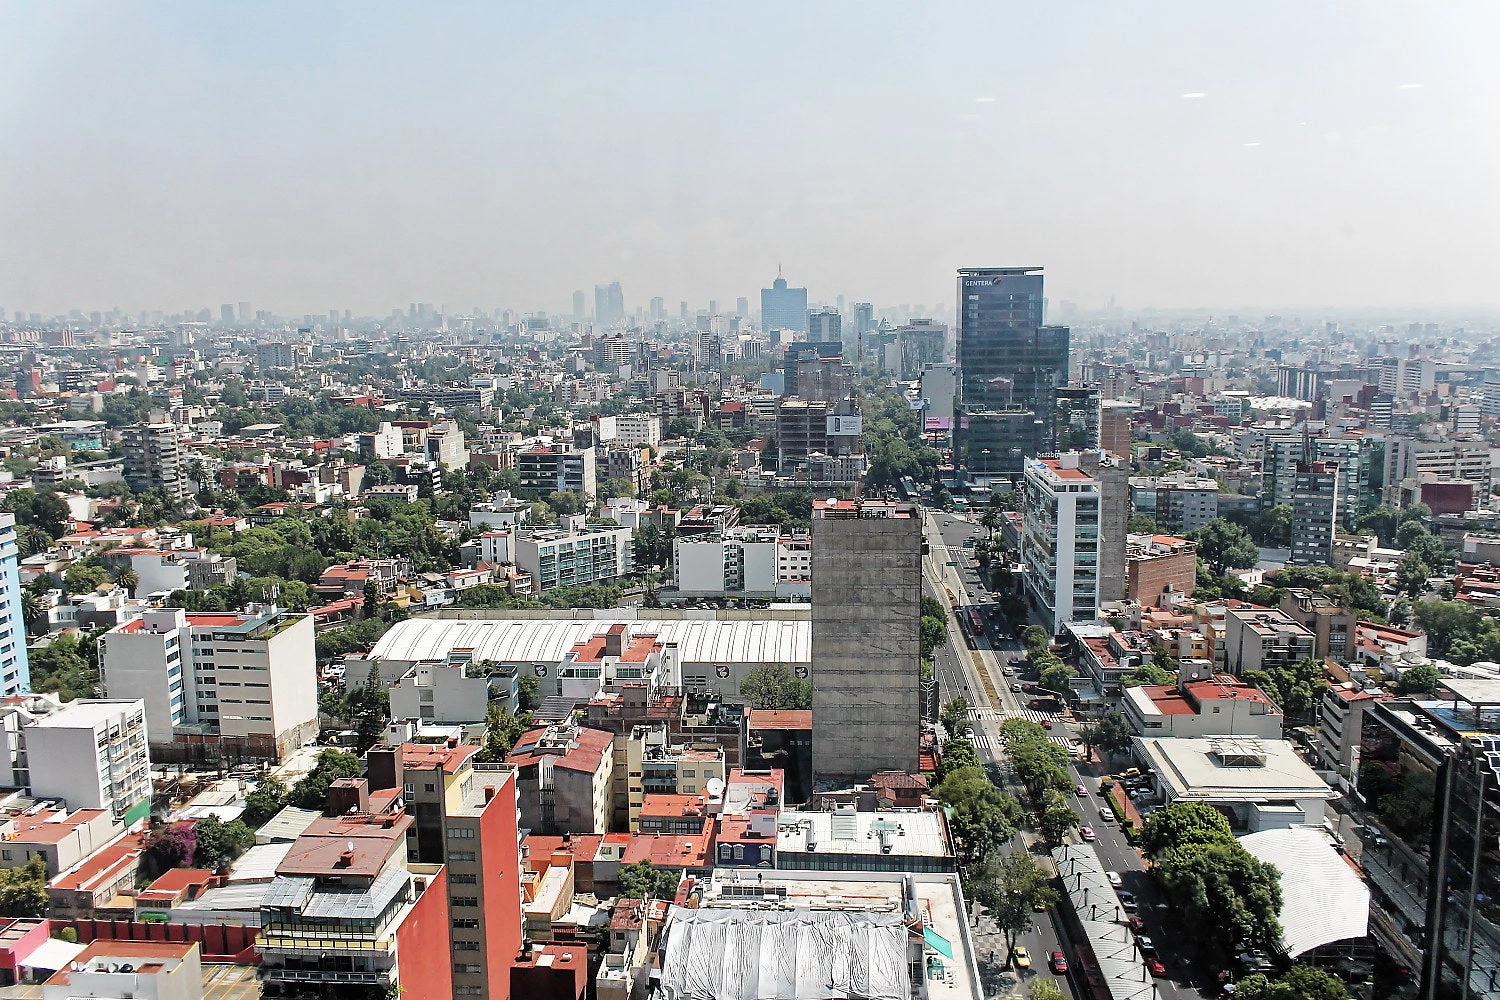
(910, 834)
(1322, 899)
(548, 640)
(1194, 769)
(88, 714)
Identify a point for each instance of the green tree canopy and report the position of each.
(268, 799)
(1012, 887)
(1224, 545)
(934, 634)
(773, 685)
(23, 889)
(954, 716)
(1420, 679)
(1147, 673)
(501, 731)
(1296, 687)
(312, 791)
(643, 880)
(980, 815)
(1301, 982)
(219, 843)
(1183, 824)
(1221, 889)
(1056, 677)
(1112, 733)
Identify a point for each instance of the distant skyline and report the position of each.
(1182, 155)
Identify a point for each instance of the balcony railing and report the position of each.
(307, 944)
(318, 976)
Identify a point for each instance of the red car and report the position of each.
(1157, 969)
(1058, 962)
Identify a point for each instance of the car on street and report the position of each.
(1082, 790)
(1136, 924)
(1015, 689)
(1059, 962)
(1046, 723)
(1015, 661)
(1127, 900)
(1009, 672)
(1147, 946)
(1157, 969)
(1087, 833)
(1114, 879)
(1023, 958)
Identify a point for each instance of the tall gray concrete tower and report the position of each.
(866, 638)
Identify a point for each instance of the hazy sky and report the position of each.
(309, 156)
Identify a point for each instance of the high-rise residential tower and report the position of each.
(824, 326)
(609, 304)
(1010, 367)
(866, 638)
(1315, 513)
(15, 671)
(154, 459)
(783, 308)
(1059, 540)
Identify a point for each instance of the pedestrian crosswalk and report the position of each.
(980, 741)
(1001, 714)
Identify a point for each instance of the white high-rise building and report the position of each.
(1060, 539)
(91, 755)
(636, 430)
(247, 682)
(15, 672)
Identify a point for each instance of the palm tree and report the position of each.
(990, 520)
(31, 540)
(129, 579)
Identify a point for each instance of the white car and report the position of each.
(1114, 879)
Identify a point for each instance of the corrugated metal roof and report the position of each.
(531, 640)
(289, 891)
(363, 905)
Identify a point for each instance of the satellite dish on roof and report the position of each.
(715, 787)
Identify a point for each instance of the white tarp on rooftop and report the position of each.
(1322, 899)
(745, 954)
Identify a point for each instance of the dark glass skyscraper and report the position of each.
(1010, 367)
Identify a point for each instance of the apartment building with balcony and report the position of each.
(1341, 715)
(232, 684)
(15, 670)
(1262, 638)
(1332, 625)
(465, 819)
(346, 909)
(749, 562)
(555, 468)
(556, 557)
(90, 754)
(1060, 540)
(565, 778)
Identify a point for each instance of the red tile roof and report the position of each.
(780, 718)
(665, 850)
(586, 755)
(322, 848)
(42, 828)
(429, 756)
(102, 866)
